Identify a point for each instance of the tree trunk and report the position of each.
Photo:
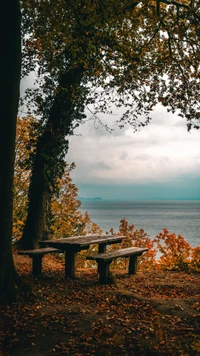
(10, 68)
(49, 159)
(36, 226)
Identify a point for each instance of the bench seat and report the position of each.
(37, 255)
(104, 260)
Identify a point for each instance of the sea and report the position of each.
(179, 217)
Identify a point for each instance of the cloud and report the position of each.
(161, 152)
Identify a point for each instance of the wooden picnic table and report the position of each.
(72, 245)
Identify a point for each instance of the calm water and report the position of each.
(180, 217)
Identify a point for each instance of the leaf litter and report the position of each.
(151, 313)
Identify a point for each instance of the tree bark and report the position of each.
(49, 162)
(36, 226)
(10, 69)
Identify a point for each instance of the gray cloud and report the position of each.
(160, 152)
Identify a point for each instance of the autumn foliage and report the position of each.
(24, 147)
(67, 219)
(167, 251)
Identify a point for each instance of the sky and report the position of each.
(161, 161)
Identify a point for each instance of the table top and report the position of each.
(81, 241)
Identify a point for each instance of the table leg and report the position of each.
(37, 265)
(70, 263)
(132, 264)
(102, 248)
(103, 269)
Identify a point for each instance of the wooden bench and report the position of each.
(37, 255)
(104, 260)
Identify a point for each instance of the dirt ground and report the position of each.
(150, 313)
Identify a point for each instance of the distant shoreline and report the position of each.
(141, 199)
(95, 198)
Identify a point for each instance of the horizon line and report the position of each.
(138, 199)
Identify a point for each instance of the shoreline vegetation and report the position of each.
(167, 251)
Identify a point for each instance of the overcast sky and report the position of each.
(162, 161)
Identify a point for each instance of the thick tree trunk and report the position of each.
(10, 67)
(37, 222)
(49, 160)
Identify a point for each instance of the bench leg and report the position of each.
(132, 264)
(37, 265)
(103, 269)
(102, 249)
(70, 263)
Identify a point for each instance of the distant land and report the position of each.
(140, 199)
(95, 198)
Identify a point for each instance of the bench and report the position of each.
(37, 255)
(104, 260)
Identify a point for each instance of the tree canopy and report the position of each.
(131, 54)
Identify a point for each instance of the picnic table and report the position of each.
(72, 245)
